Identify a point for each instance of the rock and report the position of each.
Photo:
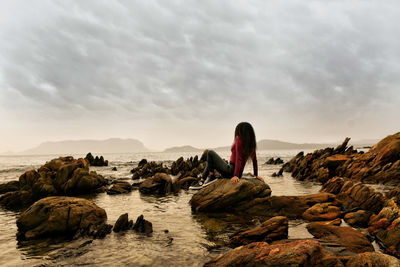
(380, 164)
(142, 162)
(159, 184)
(101, 231)
(273, 161)
(96, 161)
(223, 195)
(184, 183)
(373, 259)
(122, 223)
(395, 194)
(322, 212)
(60, 216)
(298, 253)
(143, 226)
(346, 236)
(273, 229)
(290, 206)
(120, 187)
(114, 169)
(148, 169)
(354, 195)
(62, 176)
(9, 187)
(359, 218)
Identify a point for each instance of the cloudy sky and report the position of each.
(186, 72)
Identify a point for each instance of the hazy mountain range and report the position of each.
(117, 145)
(113, 145)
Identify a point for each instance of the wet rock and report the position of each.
(290, 206)
(9, 187)
(114, 169)
(101, 231)
(273, 229)
(373, 259)
(298, 253)
(359, 218)
(354, 195)
(395, 194)
(273, 161)
(184, 183)
(223, 195)
(148, 169)
(190, 167)
(62, 176)
(346, 236)
(96, 161)
(143, 226)
(120, 187)
(122, 223)
(142, 162)
(277, 174)
(322, 212)
(159, 184)
(60, 216)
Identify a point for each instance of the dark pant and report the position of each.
(215, 162)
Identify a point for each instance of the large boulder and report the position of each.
(223, 195)
(159, 184)
(63, 176)
(298, 253)
(373, 259)
(60, 216)
(346, 236)
(273, 229)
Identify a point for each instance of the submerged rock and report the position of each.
(298, 253)
(273, 161)
(273, 229)
(159, 184)
(223, 195)
(346, 236)
(63, 176)
(60, 216)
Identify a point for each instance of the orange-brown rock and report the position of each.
(159, 184)
(273, 229)
(380, 164)
(345, 236)
(60, 216)
(62, 176)
(322, 212)
(373, 259)
(298, 253)
(358, 218)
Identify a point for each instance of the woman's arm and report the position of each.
(255, 164)
(239, 156)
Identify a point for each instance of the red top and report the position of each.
(237, 158)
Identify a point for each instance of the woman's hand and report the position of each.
(260, 178)
(235, 179)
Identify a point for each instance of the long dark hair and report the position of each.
(245, 132)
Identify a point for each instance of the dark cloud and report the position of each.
(310, 64)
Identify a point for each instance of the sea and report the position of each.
(180, 237)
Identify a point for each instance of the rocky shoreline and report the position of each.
(48, 199)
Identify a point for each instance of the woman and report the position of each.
(243, 149)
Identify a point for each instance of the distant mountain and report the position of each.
(113, 145)
(267, 144)
(183, 149)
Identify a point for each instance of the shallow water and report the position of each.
(191, 239)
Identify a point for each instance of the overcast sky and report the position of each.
(186, 72)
